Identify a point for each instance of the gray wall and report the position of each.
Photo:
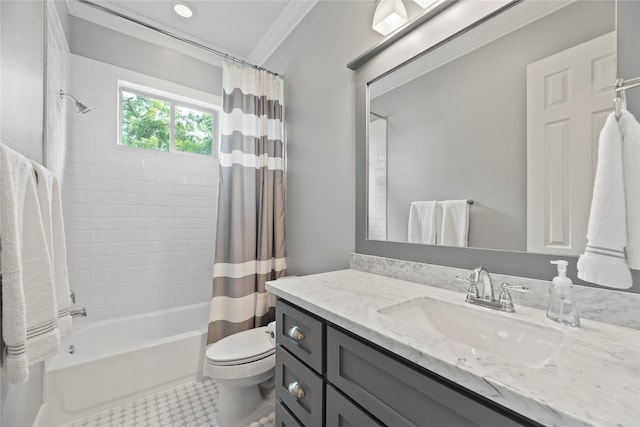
(23, 76)
(629, 50)
(21, 128)
(432, 157)
(63, 14)
(320, 127)
(106, 45)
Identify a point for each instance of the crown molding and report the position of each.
(281, 28)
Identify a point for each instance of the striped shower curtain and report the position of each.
(250, 229)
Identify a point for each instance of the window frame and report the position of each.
(173, 100)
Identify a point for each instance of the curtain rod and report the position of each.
(174, 36)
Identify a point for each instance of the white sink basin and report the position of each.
(483, 330)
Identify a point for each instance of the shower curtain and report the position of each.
(250, 248)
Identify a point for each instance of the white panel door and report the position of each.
(569, 95)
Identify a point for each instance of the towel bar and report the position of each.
(469, 201)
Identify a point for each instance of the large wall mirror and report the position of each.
(475, 125)
(489, 136)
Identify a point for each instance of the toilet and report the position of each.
(238, 364)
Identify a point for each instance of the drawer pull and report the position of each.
(296, 390)
(296, 333)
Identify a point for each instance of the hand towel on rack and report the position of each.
(51, 212)
(453, 220)
(604, 261)
(422, 222)
(630, 131)
(28, 299)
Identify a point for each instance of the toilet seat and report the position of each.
(238, 364)
(241, 348)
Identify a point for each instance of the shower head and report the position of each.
(82, 109)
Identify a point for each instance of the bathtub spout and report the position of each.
(81, 313)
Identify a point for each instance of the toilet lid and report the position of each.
(242, 347)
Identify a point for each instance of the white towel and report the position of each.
(422, 222)
(630, 131)
(453, 220)
(51, 212)
(28, 299)
(604, 261)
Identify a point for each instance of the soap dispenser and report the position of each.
(562, 306)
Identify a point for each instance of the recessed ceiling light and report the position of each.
(183, 9)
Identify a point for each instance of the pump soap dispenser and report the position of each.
(562, 306)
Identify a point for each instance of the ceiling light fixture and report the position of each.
(183, 9)
(389, 16)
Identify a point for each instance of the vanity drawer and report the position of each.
(410, 397)
(342, 412)
(284, 417)
(293, 377)
(301, 334)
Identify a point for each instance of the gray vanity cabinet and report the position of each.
(284, 417)
(350, 382)
(301, 334)
(299, 388)
(299, 365)
(397, 394)
(341, 412)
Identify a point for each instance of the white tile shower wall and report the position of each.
(140, 224)
(377, 194)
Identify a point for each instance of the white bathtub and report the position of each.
(122, 359)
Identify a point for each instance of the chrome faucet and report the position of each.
(481, 279)
(79, 313)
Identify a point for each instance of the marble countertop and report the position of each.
(593, 379)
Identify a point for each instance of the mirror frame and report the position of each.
(451, 22)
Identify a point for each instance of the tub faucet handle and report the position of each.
(81, 313)
(72, 295)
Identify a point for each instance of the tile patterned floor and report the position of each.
(193, 404)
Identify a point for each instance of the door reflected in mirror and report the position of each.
(508, 115)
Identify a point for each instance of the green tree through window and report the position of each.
(193, 131)
(146, 123)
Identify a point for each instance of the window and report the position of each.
(165, 123)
